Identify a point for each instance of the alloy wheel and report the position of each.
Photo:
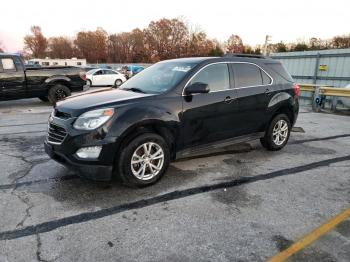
(147, 161)
(280, 132)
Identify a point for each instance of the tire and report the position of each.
(146, 167)
(44, 98)
(58, 92)
(89, 83)
(277, 133)
(118, 82)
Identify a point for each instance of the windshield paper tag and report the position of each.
(181, 68)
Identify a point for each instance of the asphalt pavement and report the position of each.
(242, 203)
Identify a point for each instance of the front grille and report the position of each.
(62, 115)
(56, 134)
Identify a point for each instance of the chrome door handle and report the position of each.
(268, 92)
(228, 99)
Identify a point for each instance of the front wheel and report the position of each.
(144, 160)
(277, 134)
(118, 82)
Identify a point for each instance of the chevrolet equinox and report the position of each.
(173, 109)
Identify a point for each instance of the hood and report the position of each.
(80, 103)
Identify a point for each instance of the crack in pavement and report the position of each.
(22, 196)
(174, 195)
(24, 199)
(38, 249)
(38, 181)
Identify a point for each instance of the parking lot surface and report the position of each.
(241, 204)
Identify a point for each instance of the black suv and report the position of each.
(173, 109)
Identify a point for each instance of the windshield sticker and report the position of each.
(181, 68)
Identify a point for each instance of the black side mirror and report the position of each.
(197, 88)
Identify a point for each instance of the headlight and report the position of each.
(93, 119)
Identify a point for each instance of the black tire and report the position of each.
(89, 83)
(123, 163)
(118, 83)
(44, 98)
(58, 92)
(268, 141)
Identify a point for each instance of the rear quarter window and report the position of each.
(280, 72)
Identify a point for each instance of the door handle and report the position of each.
(228, 99)
(268, 92)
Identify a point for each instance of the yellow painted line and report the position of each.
(311, 237)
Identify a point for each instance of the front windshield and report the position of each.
(158, 78)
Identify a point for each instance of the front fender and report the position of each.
(163, 113)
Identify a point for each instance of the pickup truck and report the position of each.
(47, 83)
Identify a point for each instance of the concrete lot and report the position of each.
(244, 204)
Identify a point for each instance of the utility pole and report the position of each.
(267, 40)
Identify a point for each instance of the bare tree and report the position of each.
(60, 47)
(36, 43)
(92, 45)
(341, 41)
(166, 39)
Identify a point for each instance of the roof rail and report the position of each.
(244, 55)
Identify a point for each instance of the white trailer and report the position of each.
(57, 62)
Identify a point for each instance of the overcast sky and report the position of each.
(251, 19)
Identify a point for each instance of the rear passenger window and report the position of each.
(249, 75)
(216, 76)
(8, 64)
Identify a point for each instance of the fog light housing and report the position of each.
(91, 152)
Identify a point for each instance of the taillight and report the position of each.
(83, 76)
(296, 89)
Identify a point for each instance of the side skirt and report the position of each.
(206, 148)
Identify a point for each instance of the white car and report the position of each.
(104, 77)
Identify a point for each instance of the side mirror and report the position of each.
(197, 88)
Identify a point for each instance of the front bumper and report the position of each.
(64, 152)
(90, 171)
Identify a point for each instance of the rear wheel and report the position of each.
(277, 134)
(58, 92)
(143, 161)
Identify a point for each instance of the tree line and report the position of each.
(162, 39)
(312, 44)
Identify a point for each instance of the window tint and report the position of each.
(8, 64)
(247, 75)
(216, 76)
(279, 69)
(99, 72)
(109, 72)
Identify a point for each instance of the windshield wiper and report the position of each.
(134, 89)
